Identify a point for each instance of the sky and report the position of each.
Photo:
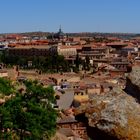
(73, 15)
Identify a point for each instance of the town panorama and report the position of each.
(69, 86)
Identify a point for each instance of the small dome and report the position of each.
(59, 34)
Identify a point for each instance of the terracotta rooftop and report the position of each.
(117, 44)
(68, 47)
(30, 46)
(67, 119)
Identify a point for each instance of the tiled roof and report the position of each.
(68, 47)
(67, 119)
(116, 43)
(31, 46)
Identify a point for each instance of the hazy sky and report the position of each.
(73, 15)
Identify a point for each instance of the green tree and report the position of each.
(77, 61)
(6, 87)
(87, 63)
(1, 55)
(29, 116)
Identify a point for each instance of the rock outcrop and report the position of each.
(134, 76)
(115, 113)
(133, 83)
(59, 136)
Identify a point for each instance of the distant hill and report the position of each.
(81, 34)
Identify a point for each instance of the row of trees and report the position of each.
(51, 63)
(27, 115)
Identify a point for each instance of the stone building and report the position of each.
(69, 122)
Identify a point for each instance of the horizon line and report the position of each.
(71, 32)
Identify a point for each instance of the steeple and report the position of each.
(60, 35)
(60, 30)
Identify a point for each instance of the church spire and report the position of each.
(60, 30)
